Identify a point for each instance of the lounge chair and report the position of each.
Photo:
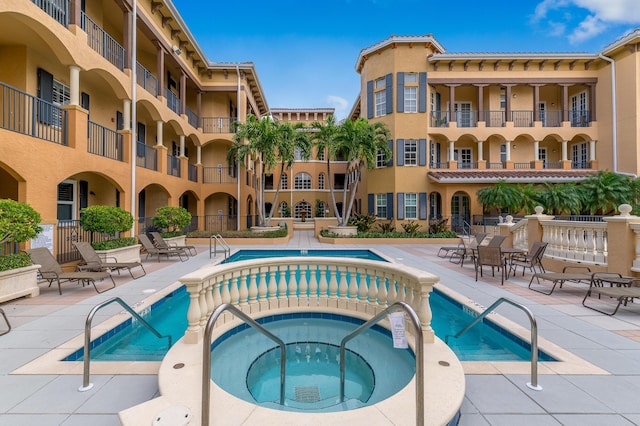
(51, 271)
(156, 251)
(561, 277)
(532, 260)
(466, 250)
(490, 256)
(628, 289)
(445, 251)
(93, 262)
(7, 321)
(161, 243)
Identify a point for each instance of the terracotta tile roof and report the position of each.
(513, 176)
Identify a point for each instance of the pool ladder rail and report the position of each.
(534, 336)
(86, 384)
(216, 239)
(206, 354)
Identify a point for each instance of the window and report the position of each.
(410, 77)
(410, 152)
(579, 157)
(503, 99)
(381, 205)
(410, 98)
(268, 179)
(302, 181)
(503, 152)
(321, 155)
(61, 96)
(380, 84)
(67, 200)
(284, 183)
(381, 159)
(381, 103)
(463, 156)
(542, 156)
(411, 206)
(321, 181)
(283, 208)
(297, 153)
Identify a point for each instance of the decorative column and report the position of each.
(74, 85)
(592, 150)
(160, 69)
(565, 102)
(126, 114)
(508, 150)
(198, 155)
(452, 100)
(181, 145)
(183, 93)
(536, 150)
(482, 165)
(566, 163)
(159, 124)
(536, 101)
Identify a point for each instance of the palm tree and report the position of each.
(500, 196)
(324, 138)
(360, 142)
(271, 143)
(530, 197)
(605, 191)
(561, 198)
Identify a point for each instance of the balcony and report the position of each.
(580, 118)
(193, 172)
(146, 80)
(173, 165)
(57, 9)
(146, 156)
(218, 175)
(192, 117)
(520, 118)
(104, 142)
(29, 115)
(218, 124)
(173, 101)
(100, 41)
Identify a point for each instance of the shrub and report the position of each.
(437, 225)
(114, 244)
(19, 222)
(364, 222)
(386, 227)
(172, 218)
(394, 234)
(239, 234)
(14, 261)
(411, 227)
(105, 219)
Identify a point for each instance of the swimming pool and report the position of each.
(259, 254)
(132, 342)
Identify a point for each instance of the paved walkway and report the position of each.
(613, 344)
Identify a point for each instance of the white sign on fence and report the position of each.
(45, 238)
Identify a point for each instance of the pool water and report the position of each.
(260, 254)
(132, 342)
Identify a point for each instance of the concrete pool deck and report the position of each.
(610, 343)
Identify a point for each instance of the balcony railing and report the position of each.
(466, 118)
(219, 223)
(580, 165)
(467, 165)
(493, 118)
(146, 80)
(173, 165)
(173, 101)
(439, 119)
(551, 118)
(104, 142)
(522, 118)
(552, 165)
(580, 118)
(146, 156)
(193, 172)
(192, 117)
(218, 175)
(495, 166)
(218, 124)
(29, 115)
(57, 9)
(442, 165)
(100, 41)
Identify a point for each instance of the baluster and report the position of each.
(209, 298)
(293, 286)
(313, 285)
(303, 296)
(382, 289)
(262, 287)
(424, 312)
(234, 293)
(226, 297)
(391, 292)
(282, 282)
(590, 245)
(323, 285)
(192, 335)
(272, 288)
(580, 243)
(202, 300)
(363, 288)
(354, 284)
(343, 288)
(333, 282)
(253, 286)
(373, 287)
(217, 291)
(601, 246)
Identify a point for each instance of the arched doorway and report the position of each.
(302, 210)
(460, 210)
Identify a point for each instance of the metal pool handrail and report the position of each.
(534, 336)
(206, 354)
(418, 351)
(214, 239)
(87, 336)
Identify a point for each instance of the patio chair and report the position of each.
(490, 256)
(532, 260)
(574, 274)
(628, 289)
(156, 251)
(445, 251)
(161, 243)
(496, 241)
(51, 271)
(93, 262)
(465, 250)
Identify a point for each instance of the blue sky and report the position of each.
(305, 51)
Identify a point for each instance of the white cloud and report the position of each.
(600, 15)
(339, 103)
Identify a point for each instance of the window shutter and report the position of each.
(45, 93)
(117, 198)
(84, 101)
(84, 194)
(401, 205)
(389, 89)
(422, 213)
(119, 121)
(438, 152)
(422, 92)
(400, 95)
(389, 205)
(142, 130)
(370, 99)
(370, 204)
(400, 156)
(422, 152)
(439, 105)
(390, 162)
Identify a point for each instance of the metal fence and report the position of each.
(146, 156)
(70, 231)
(105, 142)
(146, 80)
(57, 9)
(100, 41)
(218, 124)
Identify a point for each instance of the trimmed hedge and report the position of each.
(14, 261)
(114, 244)
(445, 234)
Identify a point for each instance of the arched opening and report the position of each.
(302, 210)
(220, 213)
(460, 211)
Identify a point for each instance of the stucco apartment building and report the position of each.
(462, 121)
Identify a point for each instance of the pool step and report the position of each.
(303, 225)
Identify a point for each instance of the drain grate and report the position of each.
(307, 394)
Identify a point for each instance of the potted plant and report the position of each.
(19, 222)
(111, 220)
(172, 220)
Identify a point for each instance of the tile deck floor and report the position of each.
(612, 343)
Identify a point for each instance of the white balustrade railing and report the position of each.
(520, 234)
(260, 285)
(635, 227)
(584, 242)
